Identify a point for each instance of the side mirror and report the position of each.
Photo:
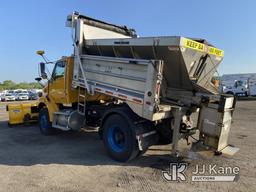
(42, 69)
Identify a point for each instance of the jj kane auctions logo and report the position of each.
(201, 173)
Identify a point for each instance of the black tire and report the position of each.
(119, 138)
(44, 122)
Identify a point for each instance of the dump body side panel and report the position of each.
(131, 80)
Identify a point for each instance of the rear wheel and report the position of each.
(119, 138)
(44, 122)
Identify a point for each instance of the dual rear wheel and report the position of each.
(119, 138)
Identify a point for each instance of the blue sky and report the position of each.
(30, 25)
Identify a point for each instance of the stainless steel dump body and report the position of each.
(152, 70)
(187, 63)
(157, 77)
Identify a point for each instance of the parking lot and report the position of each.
(78, 161)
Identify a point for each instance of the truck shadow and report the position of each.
(25, 146)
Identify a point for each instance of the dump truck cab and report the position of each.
(59, 85)
(58, 90)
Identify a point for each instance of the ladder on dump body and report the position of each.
(81, 100)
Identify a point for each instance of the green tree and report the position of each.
(9, 84)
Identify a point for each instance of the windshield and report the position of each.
(239, 83)
(59, 70)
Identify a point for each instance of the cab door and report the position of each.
(57, 83)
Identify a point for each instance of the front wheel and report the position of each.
(119, 138)
(44, 122)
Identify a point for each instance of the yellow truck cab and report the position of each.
(59, 94)
(58, 90)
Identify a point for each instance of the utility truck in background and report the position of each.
(139, 91)
(239, 84)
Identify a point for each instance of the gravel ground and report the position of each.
(78, 161)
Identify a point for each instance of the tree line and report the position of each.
(10, 85)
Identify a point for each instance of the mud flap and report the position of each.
(145, 140)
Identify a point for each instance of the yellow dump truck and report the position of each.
(139, 91)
